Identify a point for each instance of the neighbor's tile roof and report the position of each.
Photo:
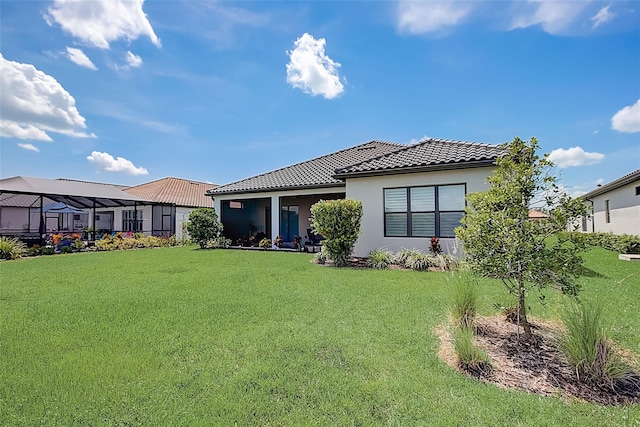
(627, 179)
(177, 191)
(23, 200)
(317, 172)
(430, 153)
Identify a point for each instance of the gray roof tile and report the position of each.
(430, 153)
(317, 172)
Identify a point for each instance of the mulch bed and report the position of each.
(537, 367)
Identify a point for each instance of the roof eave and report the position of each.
(275, 189)
(415, 169)
(614, 185)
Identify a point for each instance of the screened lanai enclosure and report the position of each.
(32, 207)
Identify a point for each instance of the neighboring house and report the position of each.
(173, 198)
(156, 208)
(536, 215)
(25, 201)
(615, 206)
(409, 193)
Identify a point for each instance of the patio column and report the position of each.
(275, 217)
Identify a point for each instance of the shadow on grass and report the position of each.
(587, 272)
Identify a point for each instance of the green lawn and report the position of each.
(180, 336)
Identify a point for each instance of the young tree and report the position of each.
(501, 242)
(338, 221)
(203, 225)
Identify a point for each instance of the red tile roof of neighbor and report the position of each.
(177, 191)
(534, 214)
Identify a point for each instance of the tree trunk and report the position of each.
(522, 312)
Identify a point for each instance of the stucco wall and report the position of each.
(370, 192)
(624, 210)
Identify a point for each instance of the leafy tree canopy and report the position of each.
(501, 241)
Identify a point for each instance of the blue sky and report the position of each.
(127, 92)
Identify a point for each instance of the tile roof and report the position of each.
(431, 153)
(627, 179)
(315, 173)
(177, 191)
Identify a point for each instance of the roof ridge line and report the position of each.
(315, 158)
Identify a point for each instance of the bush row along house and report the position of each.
(30, 207)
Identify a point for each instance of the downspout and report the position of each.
(593, 215)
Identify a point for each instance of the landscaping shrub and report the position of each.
(465, 303)
(419, 261)
(338, 221)
(588, 350)
(321, 257)
(11, 248)
(203, 226)
(219, 242)
(379, 258)
(403, 256)
(471, 358)
(265, 243)
(623, 243)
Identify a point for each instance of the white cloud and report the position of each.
(133, 60)
(28, 147)
(555, 17)
(311, 70)
(627, 119)
(34, 103)
(574, 156)
(599, 181)
(418, 17)
(602, 17)
(78, 57)
(100, 22)
(106, 162)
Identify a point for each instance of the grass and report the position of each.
(179, 336)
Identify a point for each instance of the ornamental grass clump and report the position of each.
(465, 303)
(589, 351)
(11, 248)
(471, 358)
(379, 259)
(403, 256)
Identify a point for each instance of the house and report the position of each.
(156, 208)
(172, 199)
(25, 203)
(615, 207)
(409, 193)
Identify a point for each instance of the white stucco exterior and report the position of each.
(370, 190)
(624, 211)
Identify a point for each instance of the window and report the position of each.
(606, 212)
(638, 190)
(433, 211)
(132, 221)
(584, 223)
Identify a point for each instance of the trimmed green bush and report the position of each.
(11, 248)
(338, 221)
(203, 226)
(379, 258)
(622, 243)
